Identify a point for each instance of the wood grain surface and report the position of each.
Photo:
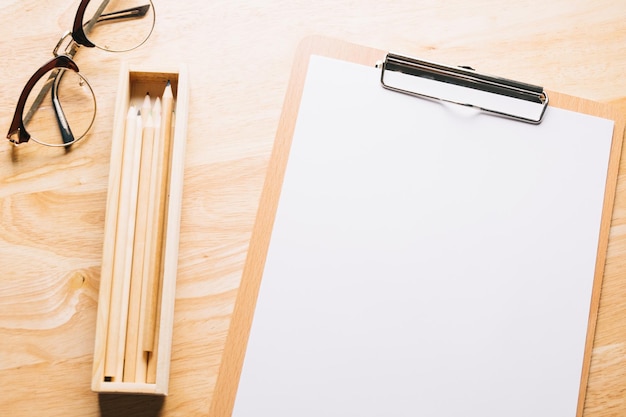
(239, 54)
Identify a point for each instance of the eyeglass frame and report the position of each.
(63, 61)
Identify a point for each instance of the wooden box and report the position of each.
(140, 252)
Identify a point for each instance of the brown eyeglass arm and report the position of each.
(80, 29)
(17, 125)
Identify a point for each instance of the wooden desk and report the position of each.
(52, 203)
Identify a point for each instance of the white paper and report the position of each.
(425, 261)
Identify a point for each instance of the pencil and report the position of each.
(132, 363)
(111, 364)
(141, 355)
(150, 339)
(130, 217)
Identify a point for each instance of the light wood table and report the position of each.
(239, 53)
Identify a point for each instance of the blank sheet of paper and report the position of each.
(425, 261)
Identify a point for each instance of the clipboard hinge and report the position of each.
(464, 86)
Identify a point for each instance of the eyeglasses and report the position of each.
(60, 104)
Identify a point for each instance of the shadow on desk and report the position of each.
(122, 405)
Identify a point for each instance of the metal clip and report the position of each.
(464, 86)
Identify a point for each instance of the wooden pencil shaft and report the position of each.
(127, 246)
(111, 231)
(132, 363)
(152, 334)
(151, 280)
(141, 361)
(111, 359)
(159, 217)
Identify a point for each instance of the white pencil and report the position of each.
(150, 340)
(133, 364)
(112, 369)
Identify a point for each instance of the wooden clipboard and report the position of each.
(235, 349)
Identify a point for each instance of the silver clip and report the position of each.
(464, 86)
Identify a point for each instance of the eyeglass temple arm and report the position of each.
(80, 29)
(64, 126)
(133, 12)
(17, 125)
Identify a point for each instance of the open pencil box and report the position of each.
(140, 252)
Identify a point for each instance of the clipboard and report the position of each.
(225, 394)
